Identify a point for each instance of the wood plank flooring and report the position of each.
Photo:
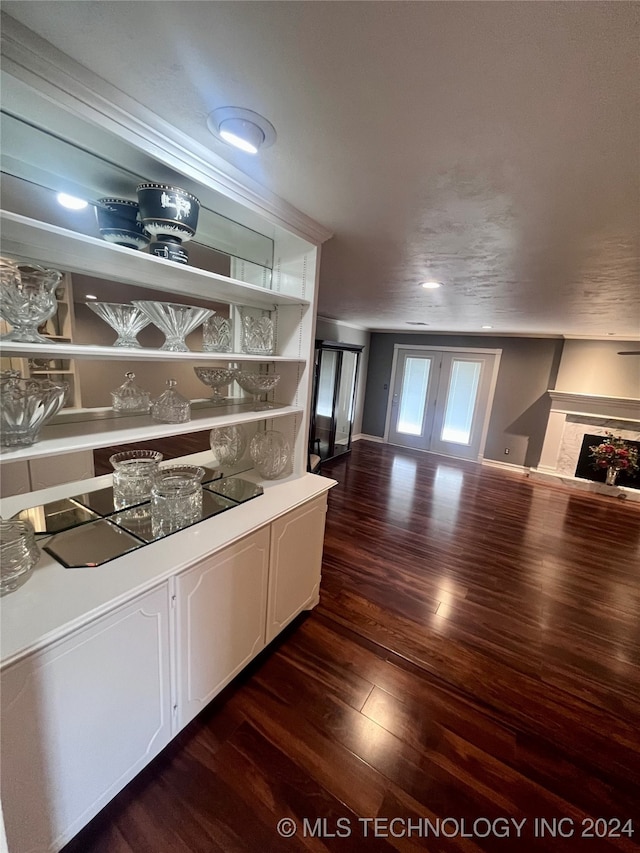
(475, 657)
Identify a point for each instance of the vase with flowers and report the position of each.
(614, 454)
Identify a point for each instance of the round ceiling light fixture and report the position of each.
(431, 285)
(244, 129)
(71, 202)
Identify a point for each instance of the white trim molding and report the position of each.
(506, 466)
(361, 436)
(621, 408)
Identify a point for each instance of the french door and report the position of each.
(440, 400)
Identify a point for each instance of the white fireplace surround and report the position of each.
(572, 416)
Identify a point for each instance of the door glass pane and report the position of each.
(461, 401)
(344, 407)
(413, 397)
(326, 383)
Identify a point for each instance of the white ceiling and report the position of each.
(492, 146)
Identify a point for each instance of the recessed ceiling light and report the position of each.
(71, 202)
(487, 327)
(90, 296)
(431, 285)
(244, 129)
(416, 323)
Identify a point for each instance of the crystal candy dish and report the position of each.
(27, 299)
(125, 320)
(129, 398)
(175, 321)
(216, 378)
(258, 384)
(25, 406)
(270, 453)
(171, 407)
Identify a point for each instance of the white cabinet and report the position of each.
(81, 718)
(296, 558)
(220, 620)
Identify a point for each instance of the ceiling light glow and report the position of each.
(71, 202)
(487, 327)
(431, 285)
(244, 129)
(90, 296)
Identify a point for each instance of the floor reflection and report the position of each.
(401, 489)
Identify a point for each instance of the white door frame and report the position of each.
(467, 351)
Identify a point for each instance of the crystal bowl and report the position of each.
(175, 321)
(270, 453)
(18, 554)
(258, 384)
(257, 334)
(216, 378)
(228, 445)
(27, 299)
(125, 320)
(25, 406)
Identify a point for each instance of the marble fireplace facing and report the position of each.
(573, 416)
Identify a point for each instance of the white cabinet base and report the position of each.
(220, 620)
(296, 559)
(80, 719)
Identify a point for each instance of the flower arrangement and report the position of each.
(614, 452)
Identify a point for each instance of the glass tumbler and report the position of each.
(18, 554)
(176, 499)
(133, 477)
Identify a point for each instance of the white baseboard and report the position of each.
(362, 435)
(493, 463)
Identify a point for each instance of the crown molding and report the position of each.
(63, 81)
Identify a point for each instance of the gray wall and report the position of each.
(332, 330)
(594, 367)
(528, 368)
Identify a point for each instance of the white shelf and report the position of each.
(79, 253)
(89, 352)
(87, 435)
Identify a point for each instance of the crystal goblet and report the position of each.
(25, 406)
(126, 320)
(258, 384)
(175, 321)
(27, 299)
(216, 378)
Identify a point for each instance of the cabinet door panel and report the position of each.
(80, 719)
(221, 612)
(296, 559)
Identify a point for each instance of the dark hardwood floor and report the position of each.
(475, 658)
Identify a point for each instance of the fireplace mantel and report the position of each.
(617, 408)
(572, 416)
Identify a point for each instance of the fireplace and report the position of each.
(578, 421)
(586, 471)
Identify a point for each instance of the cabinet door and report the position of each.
(296, 560)
(221, 610)
(80, 719)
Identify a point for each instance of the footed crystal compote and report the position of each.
(174, 321)
(27, 299)
(258, 384)
(216, 378)
(126, 320)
